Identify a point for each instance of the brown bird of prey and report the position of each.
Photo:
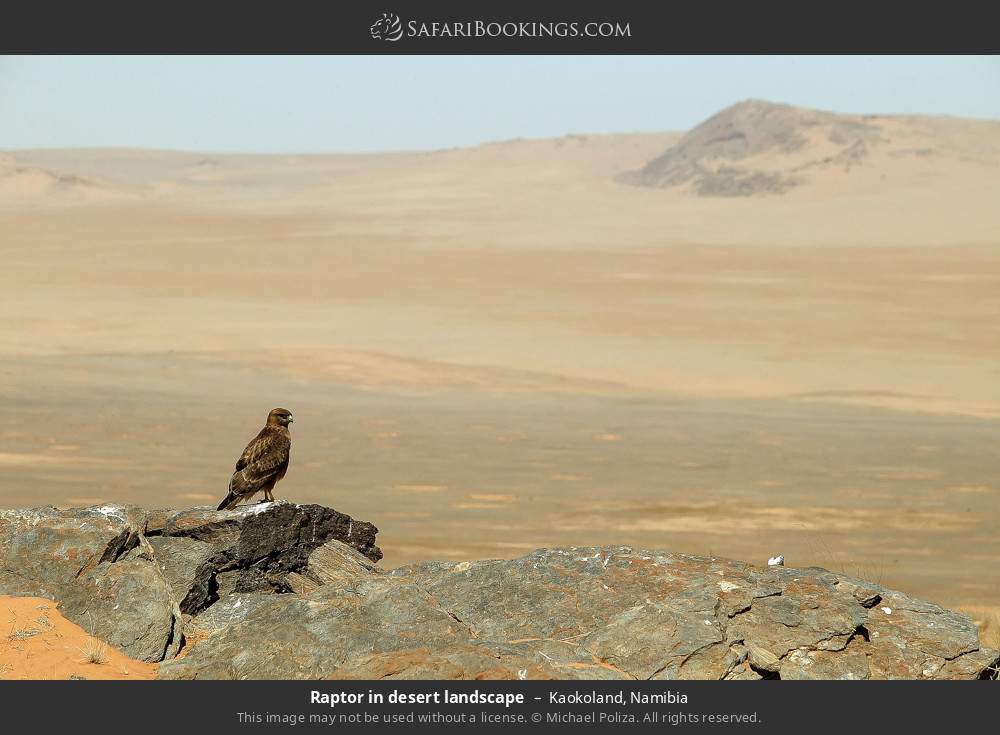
(264, 461)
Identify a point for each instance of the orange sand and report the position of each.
(39, 643)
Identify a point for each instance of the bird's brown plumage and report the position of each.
(263, 462)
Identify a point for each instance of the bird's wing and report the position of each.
(252, 449)
(264, 457)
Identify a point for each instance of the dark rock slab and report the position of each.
(258, 546)
(278, 529)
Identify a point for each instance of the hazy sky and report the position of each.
(358, 103)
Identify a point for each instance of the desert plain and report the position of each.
(527, 344)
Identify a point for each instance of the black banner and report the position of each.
(513, 27)
(524, 706)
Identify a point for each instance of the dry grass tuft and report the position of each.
(96, 650)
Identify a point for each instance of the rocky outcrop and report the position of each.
(288, 591)
(134, 578)
(95, 564)
(758, 148)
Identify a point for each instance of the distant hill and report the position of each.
(754, 173)
(758, 148)
(20, 183)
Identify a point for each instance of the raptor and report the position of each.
(263, 462)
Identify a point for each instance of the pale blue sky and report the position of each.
(364, 103)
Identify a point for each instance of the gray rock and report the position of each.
(230, 609)
(287, 591)
(588, 613)
(44, 549)
(312, 636)
(178, 559)
(806, 663)
(332, 563)
(96, 563)
(129, 576)
(129, 604)
(457, 662)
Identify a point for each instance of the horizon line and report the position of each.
(486, 142)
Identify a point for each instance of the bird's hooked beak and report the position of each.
(291, 419)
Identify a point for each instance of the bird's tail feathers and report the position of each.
(236, 483)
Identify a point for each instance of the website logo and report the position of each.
(387, 28)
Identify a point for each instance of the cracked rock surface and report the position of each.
(293, 591)
(586, 613)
